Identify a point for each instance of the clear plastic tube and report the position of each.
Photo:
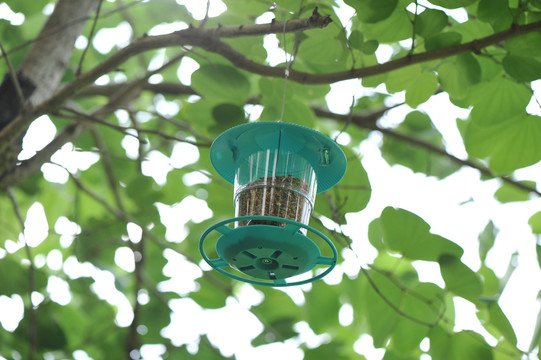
(275, 183)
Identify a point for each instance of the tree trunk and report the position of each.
(42, 68)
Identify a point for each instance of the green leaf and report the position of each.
(96, 321)
(509, 193)
(396, 27)
(282, 327)
(226, 116)
(440, 341)
(452, 4)
(421, 89)
(538, 251)
(9, 224)
(535, 223)
(442, 40)
(424, 304)
(277, 305)
(350, 195)
(401, 269)
(506, 351)
(525, 45)
(321, 305)
(372, 11)
(99, 240)
(391, 355)
(209, 295)
(430, 22)
(501, 323)
(370, 47)
(381, 317)
(491, 283)
(251, 47)
(307, 91)
(317, 50)
(143, 191)
(459, 278)
(356, 39)
(327, 351)
(408, 234)
(498, 101)
(375, 234)
(536, 338)
(468, 345)
(522, 68)
(221, 82)
(299, 113)
(399, 80)
(14, 277)
(419, 85)
(486, 240)
(496, 13)
(456, 77)
(509, 145)
(31, 8)
(419, 125)
(154, 319)
(51, 335)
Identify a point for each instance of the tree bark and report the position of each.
(42, 68)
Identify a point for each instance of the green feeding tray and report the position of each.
(277, 169)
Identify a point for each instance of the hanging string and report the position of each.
(286, 72)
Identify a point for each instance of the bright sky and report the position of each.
(438, 202)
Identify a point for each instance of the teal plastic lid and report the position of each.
(236, 144)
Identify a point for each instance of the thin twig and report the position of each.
(107, 166)
(430, 302)
(140, 149)
(369, 122)
(90, 36)
(33, 328)
(206, 18)
(414, 26)
(14, 79)
(393, 306)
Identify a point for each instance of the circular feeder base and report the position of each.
(268, 254)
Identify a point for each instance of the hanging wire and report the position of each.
(286, 72)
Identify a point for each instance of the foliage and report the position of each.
(120, 230)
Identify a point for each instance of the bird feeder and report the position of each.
(276, 168)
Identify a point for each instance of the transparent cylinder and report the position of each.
(275, 183)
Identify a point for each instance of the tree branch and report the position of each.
(475, 46)
(369, 122)
(209, 39)
(33, 327)
(28, 167)
(13, 75)
(395, 307)
(90, 37)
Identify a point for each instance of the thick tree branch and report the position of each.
(166, 88)
(46, 60)
(209, 39)
(475, 46)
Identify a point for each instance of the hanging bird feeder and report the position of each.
(276, 168)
